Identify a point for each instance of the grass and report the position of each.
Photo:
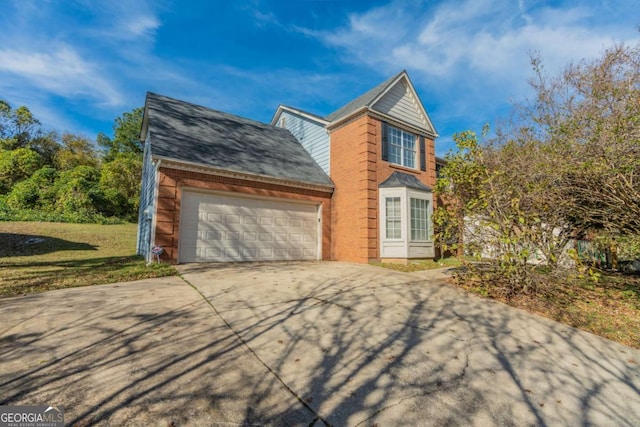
(41, 256)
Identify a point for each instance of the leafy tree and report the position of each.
(459, 185)
(567, 164)
(77, 190)
(17, 126)
(589, 116)
(126, 136)
(17, 165)
(36, 192)
(120, 184)
(75, 151)
(20, 129)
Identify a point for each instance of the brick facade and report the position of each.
(173, 181)
(357, 169)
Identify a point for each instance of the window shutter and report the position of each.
(385, 142)
(423, 155)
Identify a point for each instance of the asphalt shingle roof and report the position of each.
(363, 100)
(400, 179)
(182, 131)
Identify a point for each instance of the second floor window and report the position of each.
(402, 147)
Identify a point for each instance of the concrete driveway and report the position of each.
(306, 344)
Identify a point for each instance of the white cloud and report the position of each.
(133, 20)
(473, 55)
(141, 26)
(62, 72)
(455, 38)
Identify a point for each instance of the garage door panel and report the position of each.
(228, 228)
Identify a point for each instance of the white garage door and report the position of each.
(227, 228)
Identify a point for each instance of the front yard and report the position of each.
(41, 256)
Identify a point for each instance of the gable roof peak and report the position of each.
(395, 99)
(365, 100)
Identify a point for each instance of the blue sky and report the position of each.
(79, 64)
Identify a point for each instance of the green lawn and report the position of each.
(40, 256)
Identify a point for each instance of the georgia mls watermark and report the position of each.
(31, 416)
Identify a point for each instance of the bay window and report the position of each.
(419, 219)
(393, 218)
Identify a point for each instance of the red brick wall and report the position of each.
(357, 169)
(172, 182)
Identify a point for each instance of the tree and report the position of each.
(77, 191)
(126, 136)
(17, 165)
(498, 203)
(589, 116)
(120, 184)
(20, 129)
(459, 186)
(17, 126)
(36, 192)
(566, 164)
(75, 151)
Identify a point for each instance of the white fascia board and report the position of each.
(405, 76)
(282, 108)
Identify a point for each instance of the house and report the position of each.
(353, 186)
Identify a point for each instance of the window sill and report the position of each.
(404, 168)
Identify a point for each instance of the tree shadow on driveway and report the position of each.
(363, 346)
(304, 344)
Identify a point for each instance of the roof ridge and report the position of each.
(240, 118)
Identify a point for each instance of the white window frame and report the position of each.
(418, 222)
(405, 246)
(396, 218)
(405, 144)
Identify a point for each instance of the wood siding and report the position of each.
(311, 135)
(400, 103)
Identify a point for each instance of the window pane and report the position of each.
(419, 219)
(402, 147)
(392, 208)
(394, 154)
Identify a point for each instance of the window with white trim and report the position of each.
(394, 218)
(402, 147)
(419, 219)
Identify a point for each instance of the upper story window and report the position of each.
(401, 148)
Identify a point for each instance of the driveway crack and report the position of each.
(248, 347)
(437, 387)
